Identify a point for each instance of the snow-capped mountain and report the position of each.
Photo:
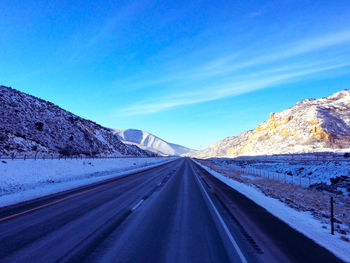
(312, 125)
(29, 125)
(150, 142)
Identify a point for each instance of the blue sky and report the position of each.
(190, 72)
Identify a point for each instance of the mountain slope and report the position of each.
(312, 125)
(30, 125)
(150, 142)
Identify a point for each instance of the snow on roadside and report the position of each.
(22, 180)
(303, 222)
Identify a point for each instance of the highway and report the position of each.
(175, 212)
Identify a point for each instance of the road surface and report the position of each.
(175, 212)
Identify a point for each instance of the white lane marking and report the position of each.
(233, 241)
(137, 205)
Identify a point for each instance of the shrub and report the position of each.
(39, 126)
(345, 238)
(66, 151)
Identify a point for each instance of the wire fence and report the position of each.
(328, 207)
(285, 178)
(46, 156)
(321, 156)
(305, 181)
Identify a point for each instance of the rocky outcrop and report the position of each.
(312, 125)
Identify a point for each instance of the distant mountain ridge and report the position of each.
(29, 125)
(150, 142)
(312, 125)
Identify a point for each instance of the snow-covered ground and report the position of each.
(303, 221)
(22, 180)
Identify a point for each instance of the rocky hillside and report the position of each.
(30, 125)
(312, 125)
(150, 142)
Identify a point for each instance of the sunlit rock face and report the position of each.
(312, 125)
(29, 125)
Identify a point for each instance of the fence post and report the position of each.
(332, 216)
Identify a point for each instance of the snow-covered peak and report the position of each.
(133, 135)
(150, 142)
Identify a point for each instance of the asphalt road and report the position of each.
(176, 212)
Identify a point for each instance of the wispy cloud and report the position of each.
(229, 89)
(281, 65)
(234, 63)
